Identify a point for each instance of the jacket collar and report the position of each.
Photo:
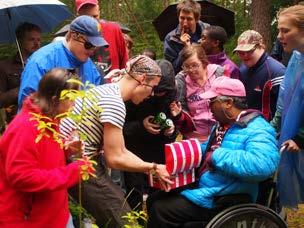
(217, 58)
(260, 62)
(246, 116)
(70, 55)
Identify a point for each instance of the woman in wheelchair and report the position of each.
(240, 152)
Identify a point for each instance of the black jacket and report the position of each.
(147, 146)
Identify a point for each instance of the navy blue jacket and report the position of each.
(267, 72)
(173, 45)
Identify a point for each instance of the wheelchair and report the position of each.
(239, 212)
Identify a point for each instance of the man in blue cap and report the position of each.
(72, 53)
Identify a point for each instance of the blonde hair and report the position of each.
(296, 15)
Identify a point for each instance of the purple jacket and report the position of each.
(221, 59)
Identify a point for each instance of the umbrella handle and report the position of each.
(19, 51)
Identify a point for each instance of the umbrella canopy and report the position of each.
(47, 14)
(211, 13)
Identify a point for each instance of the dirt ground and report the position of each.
(296, 218)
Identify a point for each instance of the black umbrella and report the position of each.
(211, 13)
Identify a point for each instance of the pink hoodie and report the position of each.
(198, 107)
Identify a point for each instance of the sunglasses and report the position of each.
(86, 44)
(144, 84)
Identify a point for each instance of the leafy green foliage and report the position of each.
(133, 217)
(47, 128)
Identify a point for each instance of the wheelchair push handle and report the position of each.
(282, 149)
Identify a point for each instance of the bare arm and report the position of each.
(118, 157)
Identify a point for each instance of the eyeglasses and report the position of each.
(193, 67)
(212, 100)
(86, 44)
(144, 84)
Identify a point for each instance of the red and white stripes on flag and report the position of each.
(181, 160)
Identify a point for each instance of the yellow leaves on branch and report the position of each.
(87, 168)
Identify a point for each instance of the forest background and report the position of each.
(139, 14)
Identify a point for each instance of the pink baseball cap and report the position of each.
(80, 3)
(225, 86)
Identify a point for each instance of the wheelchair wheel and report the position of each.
(246, 216)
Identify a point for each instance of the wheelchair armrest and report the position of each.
(231, 200)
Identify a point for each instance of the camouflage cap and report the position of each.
(142, 64)
(248, 40)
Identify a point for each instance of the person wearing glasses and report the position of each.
(260, 73)
(102, 198)
(240, 152)
(146, 138)
(72, 53)
(192, 113)
(115, 55)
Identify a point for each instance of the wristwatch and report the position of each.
(153, 170)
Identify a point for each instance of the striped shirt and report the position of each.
(104, 105)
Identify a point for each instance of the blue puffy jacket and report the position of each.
(248, 155)
(51, 56)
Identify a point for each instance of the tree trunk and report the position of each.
(261, 20)
(244, 8)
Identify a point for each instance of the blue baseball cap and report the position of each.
(89, 27)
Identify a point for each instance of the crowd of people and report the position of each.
(242, 116)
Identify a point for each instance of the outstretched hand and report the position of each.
(164, 177)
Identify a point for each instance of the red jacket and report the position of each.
(115, 56)
(34, 177)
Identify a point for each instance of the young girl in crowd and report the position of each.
(34, 177)
(290, 108)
